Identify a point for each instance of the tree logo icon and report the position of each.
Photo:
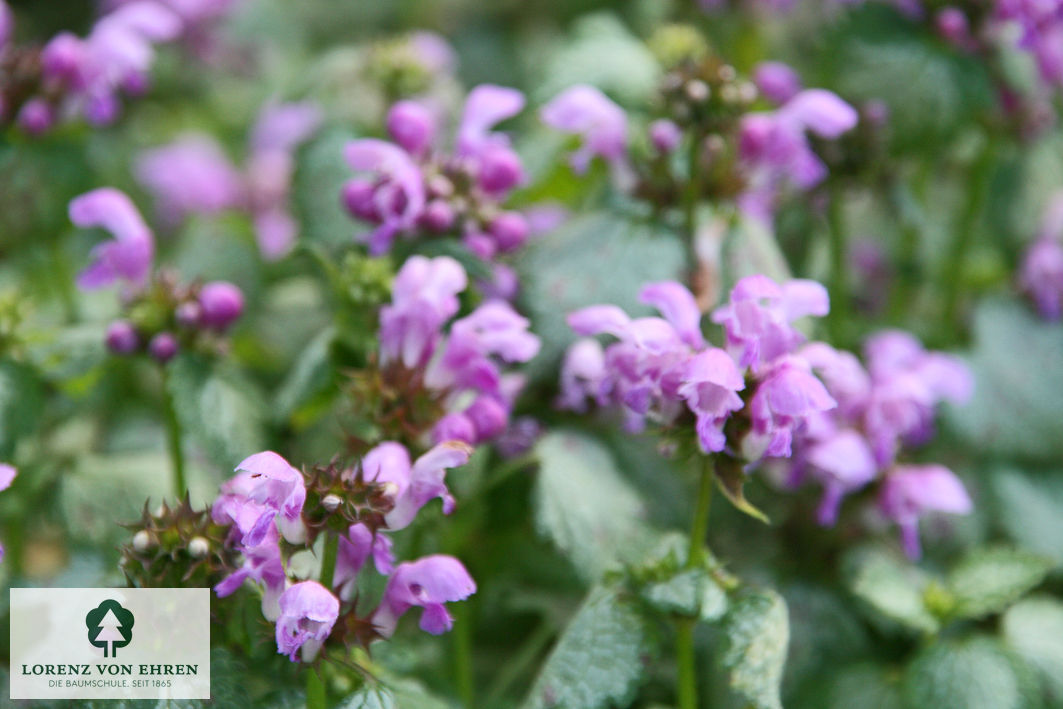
(110, 626)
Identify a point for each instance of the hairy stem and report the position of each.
(952, 270)
(686, 683)
(699, 528)
(463, 676)
(839, 257)
(173, 438)
(690, 204)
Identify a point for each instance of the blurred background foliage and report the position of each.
(979, 623)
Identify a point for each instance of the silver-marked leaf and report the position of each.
(989, 580)
(891, 588)
(584, 506)
(598, 660)
(977, 673)
(1033, 628)
(756, 631)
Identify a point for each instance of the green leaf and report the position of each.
(877, 54)
(603, 53)
(977, 673)
(591, 259)
(584, 506)
(989, 580)
(1033, 628)
(320, 174)
(311, 376)
(218, 408)
(891, 588)
(1018, 390)
(731, 480)
(756, 633)
(21, 404)
(598, 661)
(825, 632)
(691, 593)
(394, 693)
(1029, 510)
(863, 685)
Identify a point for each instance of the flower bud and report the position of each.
(489, 417)
(222, 303)
(510, 230)
(141, 540)
(331, 502)
(102, 110)
(952, 25)
(163, 347)
(198, 547)
(500, 169)
(438, 215)
(411, 125)
(189, 314)
(665, 136)
(358, 199)
(36, 116)
(776, 81)
(454, 427)
(122, 337)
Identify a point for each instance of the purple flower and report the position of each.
(191, 175)
(428, 583)
(412, 486)
(424, 298)
(1041, 277)
(163, 347)
(709, 382)
(907, 383)
(910, 491)
(36, 116)
(758, 319)
(354, 550)
(843, 463)
(266, 489)
(784, 399)
(122, 337)
(493, 330)
(587, 112)
(282, 127)
(665, 136)
(486, 106)
(399, 196)
(129, 256)
(582, 374)
(776, 81)
(308, 612)
(412, 126)
(262, 565)
(221, 303)
(821, 112)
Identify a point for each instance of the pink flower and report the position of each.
(910, 491)
(587, 112)
(128, 258)
(428, 583)
(308, 611)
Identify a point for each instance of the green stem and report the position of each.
(64, 280)
(328, 561)
(952, 270)
(173, 438)
(463, 656)
(687, 681)
(839, 256)
(690, 203)
(700, 526)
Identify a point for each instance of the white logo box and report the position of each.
(143, 643)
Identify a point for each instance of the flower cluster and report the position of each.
(1041, 272)
(759, 397)
(1041, 26)
(414, 186)
(750, 156)
(161, 314)
(85, 77)
(460, 371)
(882, 409)
(274, 511)
(192, 175)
